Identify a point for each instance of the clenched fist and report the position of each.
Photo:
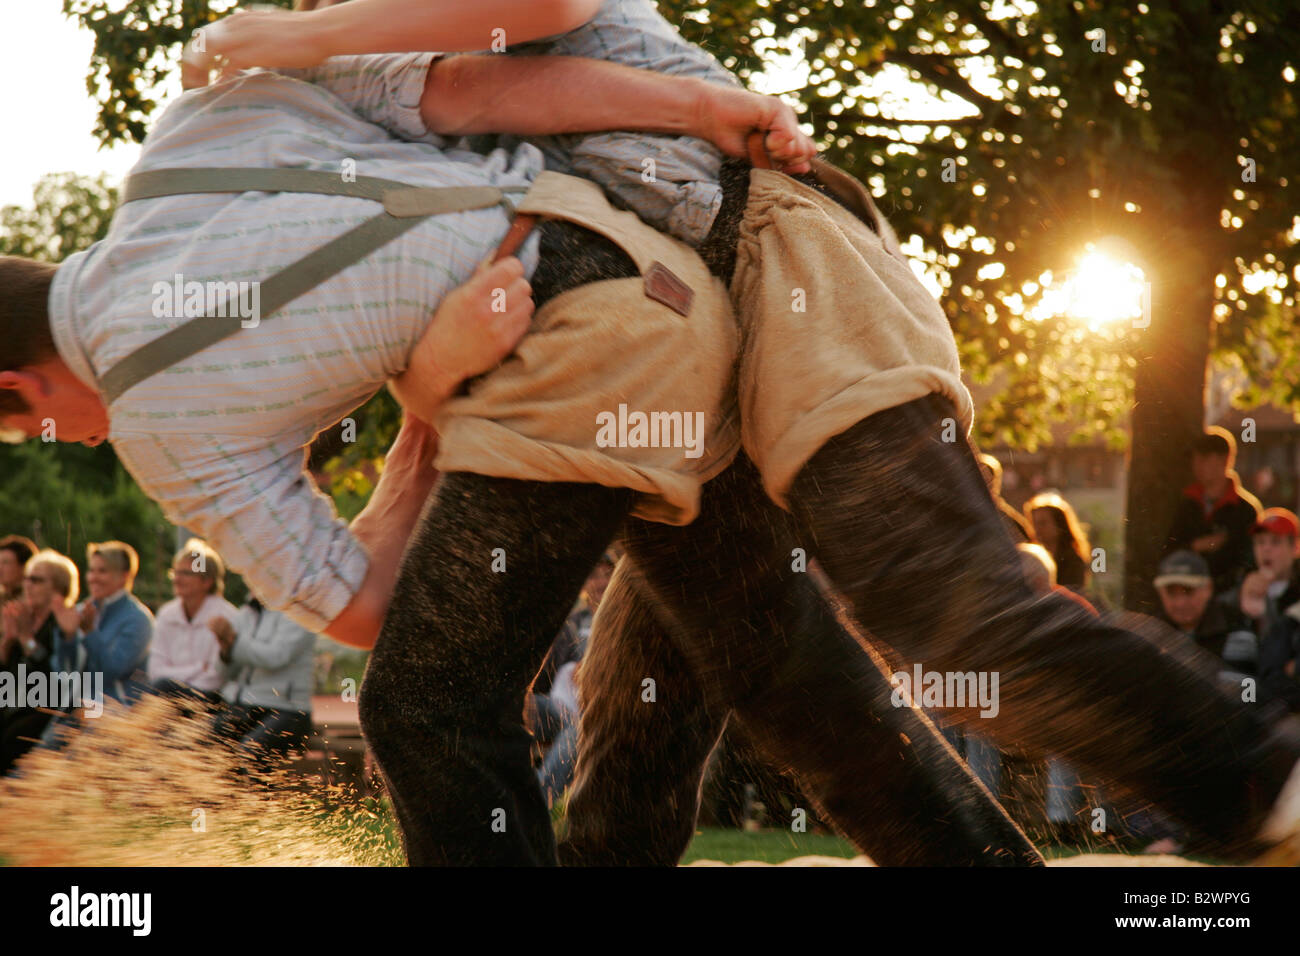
(475, 327)
(726, 116)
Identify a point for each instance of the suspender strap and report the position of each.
(519, 230)
(404, 207)
(399, 199)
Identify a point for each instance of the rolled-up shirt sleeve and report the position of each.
(251, 499)
(382, 88)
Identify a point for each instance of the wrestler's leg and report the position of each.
(642, 748)
(443, 698)
(758, 637)
(442, 703)
(903, 523)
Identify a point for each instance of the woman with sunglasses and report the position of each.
(34, 628)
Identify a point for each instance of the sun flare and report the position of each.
(1101, 291)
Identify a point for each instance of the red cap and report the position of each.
(1277, 521)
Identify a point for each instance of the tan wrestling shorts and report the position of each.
(834, 324)
(627, 383)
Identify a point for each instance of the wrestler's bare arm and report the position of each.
(466, 337)
(287, 39)
(545, 95)
(526, 96)
(382, 528)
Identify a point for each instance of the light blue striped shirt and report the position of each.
(218, 441)
(670, 181)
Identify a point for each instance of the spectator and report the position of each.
(1186, 592)
(34, 622)
(1216, 515)
(1279, 685)
(553, 704)
(271, 677)
(1259, 600)
(115, 627)
(1040, 571)
(1017, 527)
(1269, 598)
(32, 635)
(186, 657)
(1057, 529)
(15, 552)
(1272, 585)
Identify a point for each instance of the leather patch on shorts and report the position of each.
(663, 286)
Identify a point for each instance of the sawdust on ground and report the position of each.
(151, 786)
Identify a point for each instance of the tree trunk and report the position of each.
(1169, 404)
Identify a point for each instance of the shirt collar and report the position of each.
(63, 320)
(210, 605)
(112, 598)
(1230, 494)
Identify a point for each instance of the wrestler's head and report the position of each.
(39, 394)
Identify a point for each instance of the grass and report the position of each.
(725, 846)
(764, 846)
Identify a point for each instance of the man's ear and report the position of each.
(19, 380)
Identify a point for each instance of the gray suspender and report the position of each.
(404, 206)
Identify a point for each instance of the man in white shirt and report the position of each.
(186, 655)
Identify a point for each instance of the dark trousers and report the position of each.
(718, 620)
(442, 702)
(262, 731)
(903, 523)
(443, 698)
(20, 730)
(184, 692)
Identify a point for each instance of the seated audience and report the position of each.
(15, 552)
(1057, 529)
(31, 635)
(270, 680)
(186, 657)
(115, 626)
(1215, 514)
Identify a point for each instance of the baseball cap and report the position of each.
(1183, 567)
(1277, 521)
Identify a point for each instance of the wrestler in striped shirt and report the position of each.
(218, 440)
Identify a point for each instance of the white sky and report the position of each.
(46, 115)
